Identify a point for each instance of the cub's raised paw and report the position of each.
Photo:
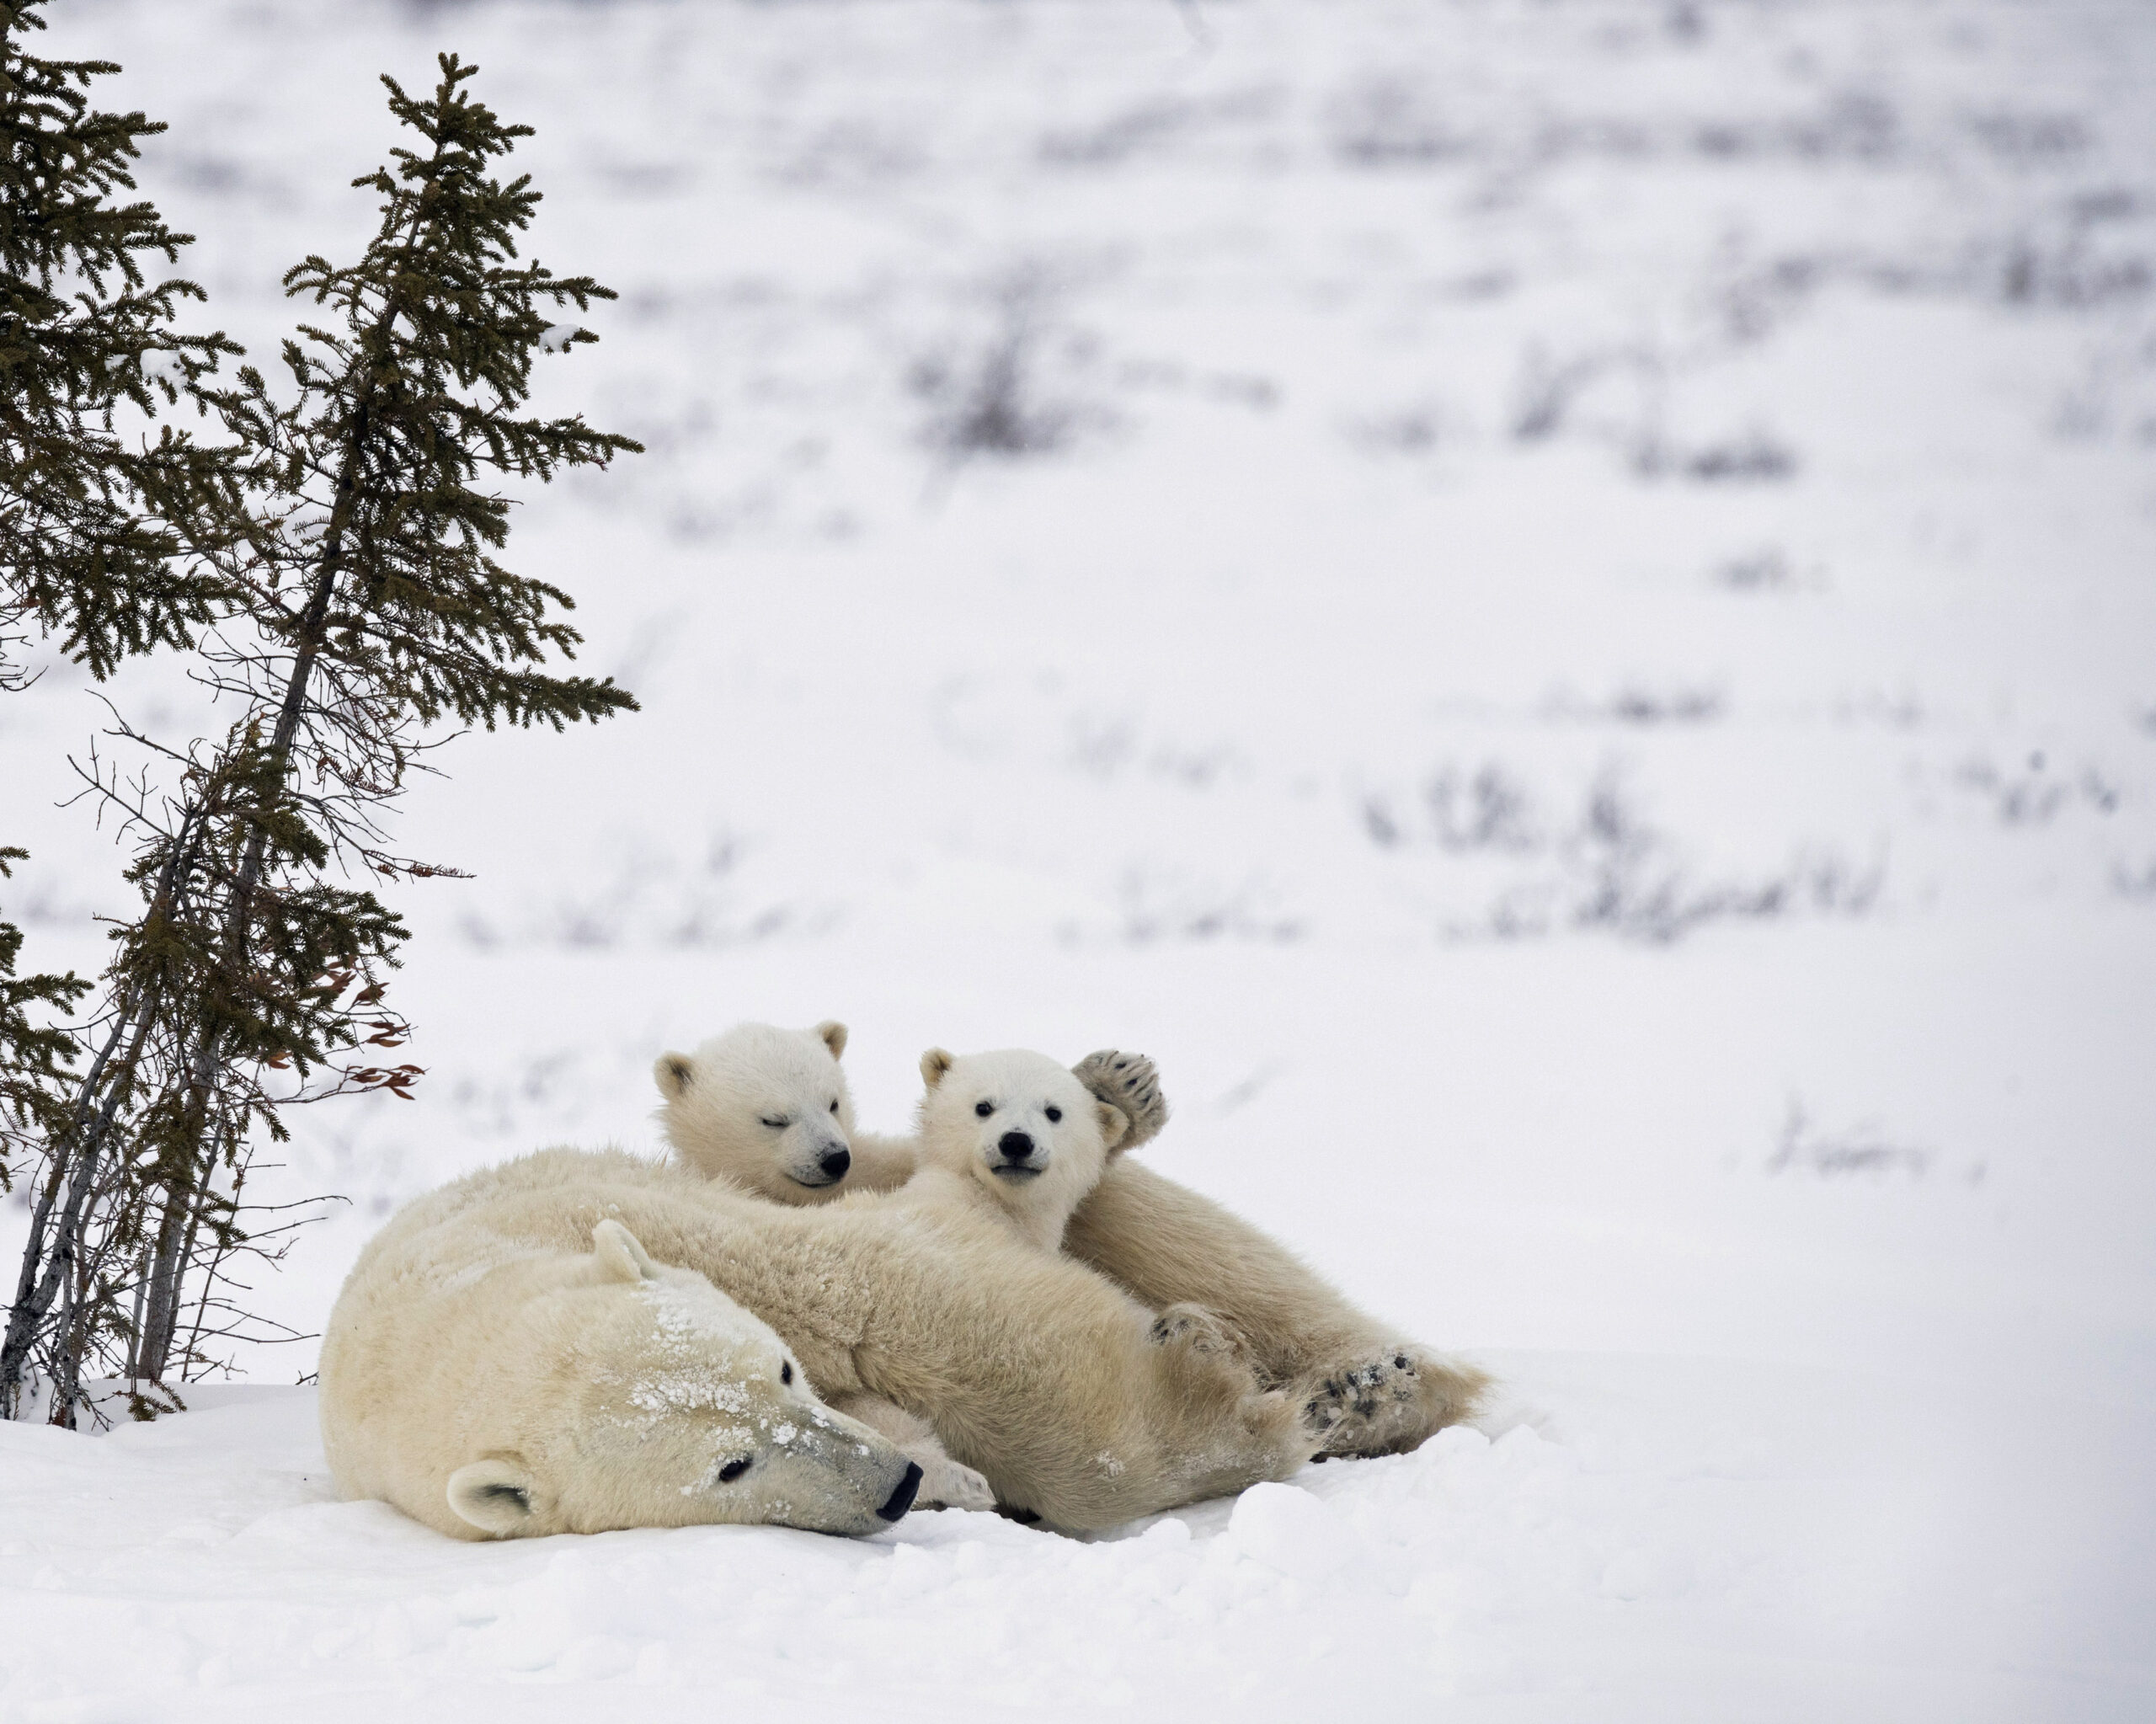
(946, 1484)
(1195, 1327)
(1131, 1083)
(1388, 1403)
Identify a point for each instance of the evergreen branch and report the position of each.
(344, 547)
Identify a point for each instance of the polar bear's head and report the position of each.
(626, 1394)
(766, 1107)
(1023, 1127)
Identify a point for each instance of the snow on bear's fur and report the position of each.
(1372, 1389)
(493, 1384)
(1029, 1368)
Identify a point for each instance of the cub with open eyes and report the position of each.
(1019, 1141)
(1012, 1136)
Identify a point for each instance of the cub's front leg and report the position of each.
(945, 1483)
(1194, 1327)
(1130, 1083)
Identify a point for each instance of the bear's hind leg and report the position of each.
(1227, 1429)
(1168, 1247)
(1386, 1400)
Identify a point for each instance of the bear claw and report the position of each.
(1348, 1403)
(1389, 1404)
(1131, 1083)
(1193, 1327)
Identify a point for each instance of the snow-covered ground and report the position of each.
(1684, 1541)
(1552, 604)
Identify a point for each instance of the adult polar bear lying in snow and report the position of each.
(1031, 1368)
(496, 1381)
(768, 1110)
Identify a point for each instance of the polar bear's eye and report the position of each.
(786, 1373)
(984, 1108)
(1054, 1114)
(779, 1124)
(732, 1470)
(834, 1104)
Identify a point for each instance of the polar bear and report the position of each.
(499, 1386)
(1369, 1389)
(1011, 1135)
(769, 1109)
(1029, 1367)
(1014, 1136)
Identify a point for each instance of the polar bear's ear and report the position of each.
(674, 1073)
(494, 1494)
(621, 1257)
(1115, 1125)
(934, 1063)
(834, 1034)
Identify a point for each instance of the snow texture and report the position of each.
(1548, 604)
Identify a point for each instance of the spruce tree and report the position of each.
(33, 1054)
(357, 519)
(87, 343)
(88, 355)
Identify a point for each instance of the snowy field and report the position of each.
(1552, 604)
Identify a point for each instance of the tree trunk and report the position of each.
(178, 1226)
(49, 1260)
(167, 1270)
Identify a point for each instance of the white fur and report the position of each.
(1012, 1134)
(492, 1386)
(473, 1323)
(1374, 1390)
(767, 1108)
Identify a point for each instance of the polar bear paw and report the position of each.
(1196, 1329)
(1131, 1083)
(1343, 1405)
(1389, 1402)
(945, 1483)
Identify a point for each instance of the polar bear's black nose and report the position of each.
(1016, 1146)
(901, 1498)
(834, 1162)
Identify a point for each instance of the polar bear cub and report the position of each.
(494, 1391)
(769, 1111)
(1014, 1136)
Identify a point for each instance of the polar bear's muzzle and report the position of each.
(1017, 1156)
(828, 1164)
